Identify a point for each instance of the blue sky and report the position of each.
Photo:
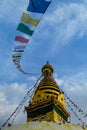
(60, 38)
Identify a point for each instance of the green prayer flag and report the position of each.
(17, 55)
(25, 29)
(26, 18)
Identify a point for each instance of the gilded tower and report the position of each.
(48, 103)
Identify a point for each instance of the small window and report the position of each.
(47, 96)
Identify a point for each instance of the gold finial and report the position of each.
(47, 62)
(47, 69)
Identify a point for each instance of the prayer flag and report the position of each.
(38, 6)
(26, 18)
(20, 47)
(17, 65)
(25, 29)
(16, 60)
(17, 55)
(21, 50)
(21, 39)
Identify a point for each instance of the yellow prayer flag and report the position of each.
(26, 18)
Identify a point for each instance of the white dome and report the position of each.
(45, 126)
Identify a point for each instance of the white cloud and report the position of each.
(2, 97)
(66, 22)
(32, 78)
(10, 97)
(75, 86)
(12, 8)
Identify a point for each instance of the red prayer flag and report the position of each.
(21, 39)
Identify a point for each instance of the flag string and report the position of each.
(34, 7)
(17, 110)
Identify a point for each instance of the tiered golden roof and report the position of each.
(48, 102)
(48, 81)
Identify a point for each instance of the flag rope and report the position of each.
(23, 28)
(17, 110)
(76, 115)
(84, 114)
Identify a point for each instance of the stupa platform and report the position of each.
(45, 126)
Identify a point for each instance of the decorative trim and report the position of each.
(44, 110)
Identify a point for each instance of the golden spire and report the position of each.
(48, 101)
(48, 80)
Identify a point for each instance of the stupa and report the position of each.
(47, 108)
(48, 102)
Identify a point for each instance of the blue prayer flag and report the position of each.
(38, 6)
